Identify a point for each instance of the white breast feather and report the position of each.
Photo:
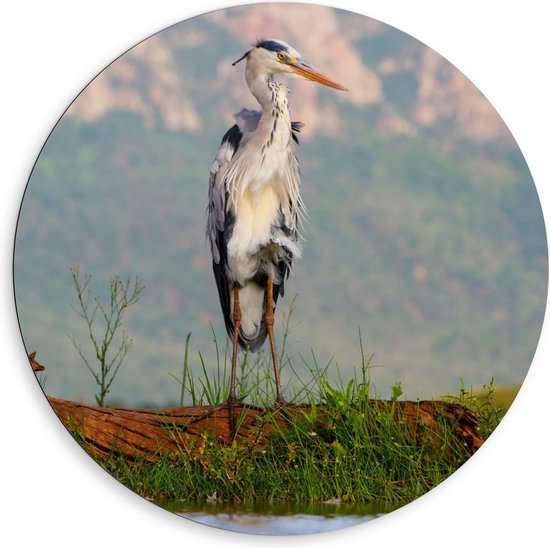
(255, 213)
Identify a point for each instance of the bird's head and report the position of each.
(277, 57)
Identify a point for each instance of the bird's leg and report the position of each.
(232, 400)
(269, 321)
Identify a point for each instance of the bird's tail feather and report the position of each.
(252, 303)
(255, 343)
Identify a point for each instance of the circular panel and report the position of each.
(423, 269)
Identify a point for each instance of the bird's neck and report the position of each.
(271, 95)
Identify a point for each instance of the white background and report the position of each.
(51, 492)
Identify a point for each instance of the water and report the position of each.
(280, 519)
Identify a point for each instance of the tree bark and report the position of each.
(139, 434)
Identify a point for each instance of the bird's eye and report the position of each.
(281, 56)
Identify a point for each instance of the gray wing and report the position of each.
(217, 225)
(221, 218)
(248, 120)
(216, 221)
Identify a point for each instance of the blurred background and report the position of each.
(425, 230)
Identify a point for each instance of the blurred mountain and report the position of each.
(425, 230)
(167, 79)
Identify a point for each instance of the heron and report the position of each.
(255, 205)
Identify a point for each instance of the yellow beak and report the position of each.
(306, 70)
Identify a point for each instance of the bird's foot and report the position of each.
(281, 402)
(230, 406)
(280, 407)
(232, 416)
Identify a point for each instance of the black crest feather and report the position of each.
(244, 56)
(271, 45)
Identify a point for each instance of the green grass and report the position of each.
(502, 397)
(356, 453)
(348, 449)
(490, 403)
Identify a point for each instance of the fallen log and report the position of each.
(147, 434)
(150, 433)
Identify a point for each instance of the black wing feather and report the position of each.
(219, 229)
(296, 127)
